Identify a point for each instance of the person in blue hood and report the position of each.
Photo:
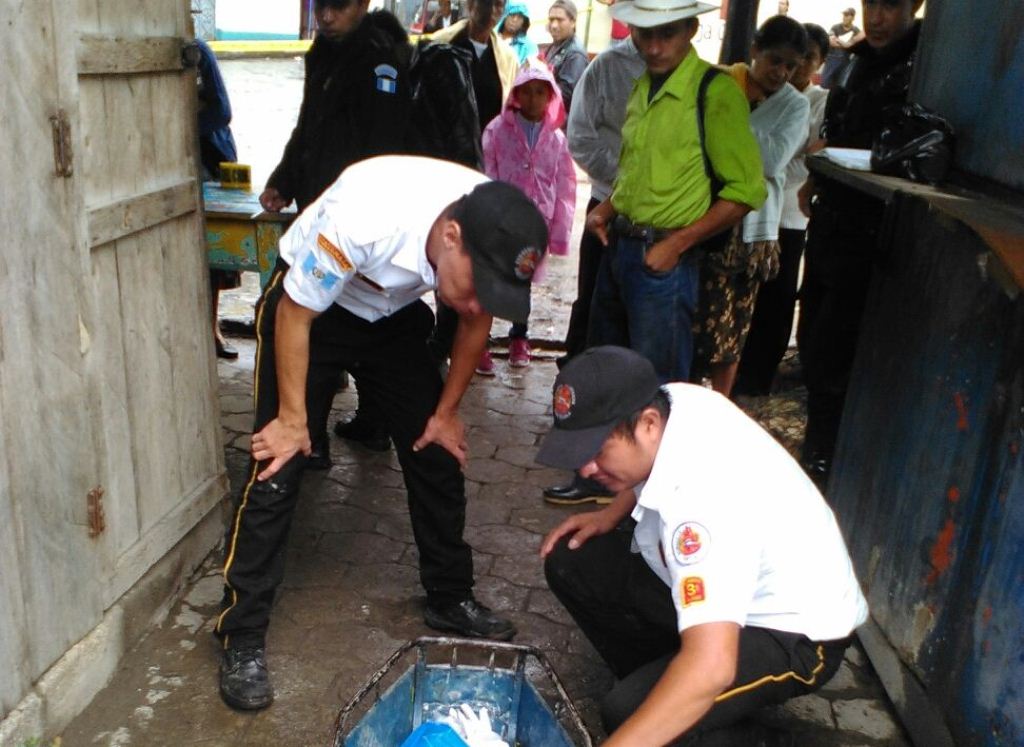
(513, 27)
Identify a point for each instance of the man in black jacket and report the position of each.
(355, 105)
(842, 237)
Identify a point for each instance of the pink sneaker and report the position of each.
(518, 352)
(486, 365)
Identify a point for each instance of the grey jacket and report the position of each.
(599, 111)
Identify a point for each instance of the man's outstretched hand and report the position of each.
(279, 442)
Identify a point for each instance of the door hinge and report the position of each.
(94, 507)
(62, 156)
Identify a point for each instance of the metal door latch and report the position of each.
(62, 156)
(97, 519)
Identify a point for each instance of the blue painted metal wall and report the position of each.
(972, 58)
(929, 475)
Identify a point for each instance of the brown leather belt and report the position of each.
(623, 226)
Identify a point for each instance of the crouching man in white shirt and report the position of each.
(717, 581)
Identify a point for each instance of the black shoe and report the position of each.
(224, 350)
(817, 468)
(244, 679)
(362, 431)
(320, 456)
(578, 492)
(469, 618)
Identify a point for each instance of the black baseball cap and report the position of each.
(506, 238)
(594, 392)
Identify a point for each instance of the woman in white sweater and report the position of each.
(772, 325)
(730, 279)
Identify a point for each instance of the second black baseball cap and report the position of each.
(594, 392)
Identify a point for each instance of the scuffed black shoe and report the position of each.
(320, 456)
(818, 469)
(363, 432)
(244, 679)
(469, 618)
(579, 491)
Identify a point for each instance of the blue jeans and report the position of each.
(650, 312)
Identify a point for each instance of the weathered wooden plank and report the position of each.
(127, 55)
(126, 217)
(107, 370)
(148, 356)
(14, 645)
(155, 543)
(193, 373)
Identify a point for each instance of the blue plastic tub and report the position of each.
(425, 691)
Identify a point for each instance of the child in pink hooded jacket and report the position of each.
(525, 146)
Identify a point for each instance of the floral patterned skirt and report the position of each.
(729, 281)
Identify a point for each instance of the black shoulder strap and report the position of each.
(702, 90)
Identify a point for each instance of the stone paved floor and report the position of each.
(351, 594)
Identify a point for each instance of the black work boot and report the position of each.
(469, 618)
(244, 679)
(363, 430)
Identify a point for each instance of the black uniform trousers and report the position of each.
(627, 613)
(842, 248)
(390, 362)
(591, 250)
(772, 323)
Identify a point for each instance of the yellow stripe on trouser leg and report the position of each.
(771, 678)
(255, 465)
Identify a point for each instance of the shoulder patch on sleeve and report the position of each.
(691, 543)
(692, 590)
(312, 269)
(335, 253)
(387, 78)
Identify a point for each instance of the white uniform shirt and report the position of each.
(362, 243)
(737, 530)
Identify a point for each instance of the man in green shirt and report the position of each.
(663, 205)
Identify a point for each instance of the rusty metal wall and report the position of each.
(974, 55)
(928, 481)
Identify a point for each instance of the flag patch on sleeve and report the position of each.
(335, 252)
(312, 269)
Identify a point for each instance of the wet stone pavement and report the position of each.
(351, 594)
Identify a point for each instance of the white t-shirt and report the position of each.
(729, 521)
(796, 170)
(362, 243)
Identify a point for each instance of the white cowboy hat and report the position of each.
(648, 13)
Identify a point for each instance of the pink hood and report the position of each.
(555, 115)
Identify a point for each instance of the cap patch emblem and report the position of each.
(692, 590)
(526, 263)
(690, 543)
(563, 400)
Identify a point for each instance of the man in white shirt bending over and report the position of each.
(717, 581)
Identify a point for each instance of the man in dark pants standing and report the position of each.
(710, 591)
(346, 295)
(355, 104)
(842, 236)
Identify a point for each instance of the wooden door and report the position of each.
(152, 357)
(50, 568)
(107, 376)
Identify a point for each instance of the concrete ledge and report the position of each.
(67, 687)
(229, 49)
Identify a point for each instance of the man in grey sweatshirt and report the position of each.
(595, 139)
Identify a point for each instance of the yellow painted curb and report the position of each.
(260, 47)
